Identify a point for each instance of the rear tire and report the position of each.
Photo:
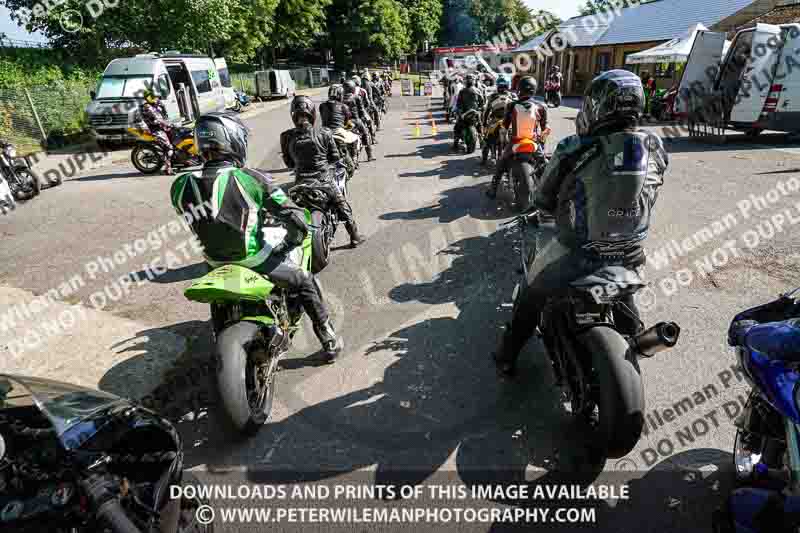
(233, 367)
(620, 393)
(320, 246)
(522, 175)
(27, 187)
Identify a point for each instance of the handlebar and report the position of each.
(533, 219)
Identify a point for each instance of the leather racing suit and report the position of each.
(469, 98)
(154, 116)
(359, 112)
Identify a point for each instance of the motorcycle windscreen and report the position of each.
(701, 68)
(758, 53)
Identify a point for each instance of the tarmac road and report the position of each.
(415, 399)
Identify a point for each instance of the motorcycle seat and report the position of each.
(624, 280)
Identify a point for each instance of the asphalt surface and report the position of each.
(415, 400)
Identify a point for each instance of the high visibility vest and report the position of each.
(524, 127)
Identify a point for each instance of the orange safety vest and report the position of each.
(524, 126)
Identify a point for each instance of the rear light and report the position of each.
(774, 96)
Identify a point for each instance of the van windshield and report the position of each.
(123, 86)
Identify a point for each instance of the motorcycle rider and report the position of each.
(555, 77)
(601, 185)
(379, 93)
(154, 114)
(230, 231)
(310, 152)
(526, 120)
(468, 98)
(366, 99)
(356, 105)
(372, 92)
(496, 108)
(335, 115)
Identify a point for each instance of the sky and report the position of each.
(563, 8)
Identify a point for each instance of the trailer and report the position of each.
(754, 87)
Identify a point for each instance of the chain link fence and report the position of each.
(48, 116)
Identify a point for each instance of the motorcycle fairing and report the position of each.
(230, 283)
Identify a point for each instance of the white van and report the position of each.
(756, 86)
(227, 86)
(189, 86)
(275, 84)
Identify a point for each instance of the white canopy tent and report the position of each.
(674, 51)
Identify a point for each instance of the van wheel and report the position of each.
(753, 132)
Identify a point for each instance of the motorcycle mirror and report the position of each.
(93, 95)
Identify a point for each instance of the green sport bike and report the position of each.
(253, 322)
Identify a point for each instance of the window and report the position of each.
(123, 86)
(603, 62)
(225, 77)
(164, 88)
(202, 81)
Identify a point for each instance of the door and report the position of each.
(756, 78)
(701, 69)
(168, 97)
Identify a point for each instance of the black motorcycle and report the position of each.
(74, 460)
(324, 217)
(470, 120)
(20, 178)
(596, 362)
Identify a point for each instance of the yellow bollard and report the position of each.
(434, 131)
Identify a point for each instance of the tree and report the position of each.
(493, 17)
(298, 23)
(425, 17)
(457, 26)
(92, 28)
(358, 25)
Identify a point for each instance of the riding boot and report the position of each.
(492, 192)
(168, 165)
(356, 238)
(368, 148)
(332, 344)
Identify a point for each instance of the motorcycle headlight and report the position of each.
(10, 151)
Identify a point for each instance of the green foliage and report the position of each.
(425, 17)
(298, 23)
(358, 25)
(492, 17)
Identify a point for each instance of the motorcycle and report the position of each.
(253, 324)
(20, 179)
(375, 113)
(7, 201)
(324, 217)
(552, 93)
(242, 101)
(495, 141)
(596, 362)
(470, 120)
(525, 170)
(766, 452)
(75, 460)
(349, 145)
(662, 104)
(148, 157)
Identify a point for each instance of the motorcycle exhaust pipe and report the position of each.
(657, 339)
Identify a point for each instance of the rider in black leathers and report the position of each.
(469, 98)
(356, 105)
(335, 115)
(311, 152)
(601, 185)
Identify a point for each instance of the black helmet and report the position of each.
(336, 93)
(222, 137)
(303, 106)
(349, 87)
(527, 87)
(470, 80)
(614, 98)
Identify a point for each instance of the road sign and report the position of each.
(406, 87)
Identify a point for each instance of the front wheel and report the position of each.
(246, 394)
(320, 244)
(147, 158)
(25, 186)
(617, 393)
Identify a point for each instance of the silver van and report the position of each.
(189, 86)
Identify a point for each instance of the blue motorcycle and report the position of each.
(242, 101)
(766, 498)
